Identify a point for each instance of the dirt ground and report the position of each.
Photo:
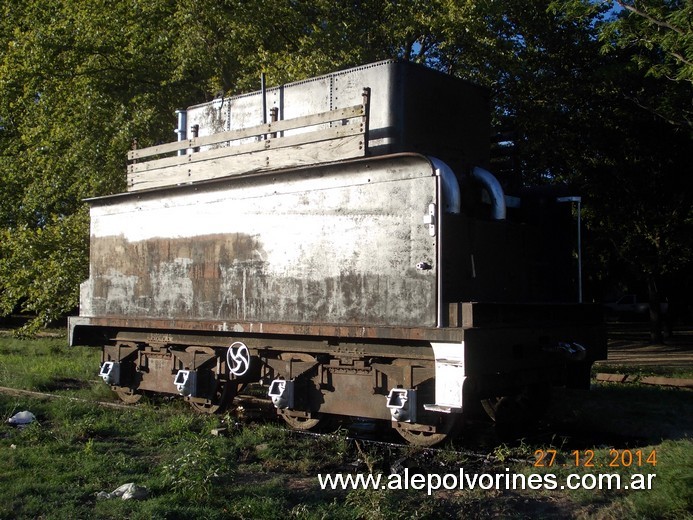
(629, 345)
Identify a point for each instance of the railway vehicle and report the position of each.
(341, 241)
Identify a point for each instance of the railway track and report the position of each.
(479, 443)
(46, 396)
(369, 450)
(250, 408)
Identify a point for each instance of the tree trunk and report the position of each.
(656, 335)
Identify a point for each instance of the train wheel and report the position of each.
(419, 437)
(298, 420)
(217, 403)
(516, 414)
(512, 419)
(128, 395)
(532, 402)
(300, 423)
(490, 406)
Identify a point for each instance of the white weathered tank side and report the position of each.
(344, 244)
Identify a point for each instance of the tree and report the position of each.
(587, 113)
(599, 102)
(78, 81)
(636, 170)
(658, 36)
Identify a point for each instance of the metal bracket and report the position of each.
(186, 383)
(110, 373)
(282, 393)
(430, 219)
(402, 404)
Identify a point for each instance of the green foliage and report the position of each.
(197, 465)
(661, 31)
(655, 39)
(632, 136)
(79, 81)
(44, 266)
(597, 101)
(46, 364)
(380, 504)
(672, 497)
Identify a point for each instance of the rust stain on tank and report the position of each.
(227, 277)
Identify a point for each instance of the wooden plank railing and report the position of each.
(299, 141)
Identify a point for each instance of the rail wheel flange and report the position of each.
(424, 435)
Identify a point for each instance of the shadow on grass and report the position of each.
(63, 383)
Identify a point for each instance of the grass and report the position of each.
(54, 468)
(49, 365)
(670, 495)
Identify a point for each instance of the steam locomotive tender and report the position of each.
(341, 241)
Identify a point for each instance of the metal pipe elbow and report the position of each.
(495, 191)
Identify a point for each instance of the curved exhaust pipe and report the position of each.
(495, 191)
(451, 188)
